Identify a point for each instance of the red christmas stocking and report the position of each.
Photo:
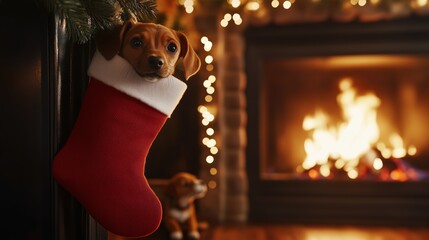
(103, 161)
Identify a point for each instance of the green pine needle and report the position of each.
(84, 17)
(101, 12)
(143, 10)
(77, 20)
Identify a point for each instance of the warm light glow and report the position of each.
(227, 17)
(208, 46)
(313, 174)
(189, 6)
(204, 40)
(210, 131)
(207, 115)
(208, 98)
(377, 164)
(206, 112)
(189, 9)
(422, 3)
(188, 3)
(202, 109)
(209, 159)
(209, 59)
(385, 152)
(238, 21)
(207, 83)
(375, 2)
(212, 78)
(211, 143)
(353, 174)
(339, 164)
(224, 23)
(212, 184)
(412, 150)
(235, 3)
(253, 5)
(287, 4)
(209, 67)
(362, 3)
(325, 170)
(398, 146)
(398, 175)
(275, 4)
(236, 16)
(210, 90)
(354, 2)
(350, 140)
(214, 150)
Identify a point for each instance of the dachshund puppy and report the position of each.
(152, 49)
(179, 208)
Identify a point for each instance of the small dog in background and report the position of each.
(179, 208)
(152, 49)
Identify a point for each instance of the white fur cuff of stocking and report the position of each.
(163, 95)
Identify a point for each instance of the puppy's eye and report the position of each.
(172, 47)
(136, 42)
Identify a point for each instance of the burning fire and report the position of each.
(352, 147)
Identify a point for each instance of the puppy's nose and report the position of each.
(156, 62)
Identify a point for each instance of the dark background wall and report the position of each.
(24, 180)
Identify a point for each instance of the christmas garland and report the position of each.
(82, 18)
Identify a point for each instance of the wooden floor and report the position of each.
(296, 232)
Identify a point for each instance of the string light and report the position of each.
(253, 5)
(209, 159)
(234, 3)
(209, 59)
(228, 17)
(362, 3)
(212, 184)
(258, 5)
(208, 111)
(287, 4)
(189, 5)
(275, 3)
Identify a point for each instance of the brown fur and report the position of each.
(179, 208)
(155, 41)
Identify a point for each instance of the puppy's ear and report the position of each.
(109, 42)
(191, 61)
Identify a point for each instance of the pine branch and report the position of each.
(142, 10)
(77, 20)
(84, 17)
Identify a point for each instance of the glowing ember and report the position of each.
(352, 147)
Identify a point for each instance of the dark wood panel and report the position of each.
(24, 179)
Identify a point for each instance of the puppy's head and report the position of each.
(152, 49)
(185, 186)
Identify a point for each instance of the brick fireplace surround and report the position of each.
(234, 166)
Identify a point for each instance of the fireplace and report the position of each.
(337, 116)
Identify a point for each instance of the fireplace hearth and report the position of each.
(296, 78)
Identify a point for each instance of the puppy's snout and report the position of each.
(156, 62)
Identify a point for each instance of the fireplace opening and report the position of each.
(345, 117)
(336, 128)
